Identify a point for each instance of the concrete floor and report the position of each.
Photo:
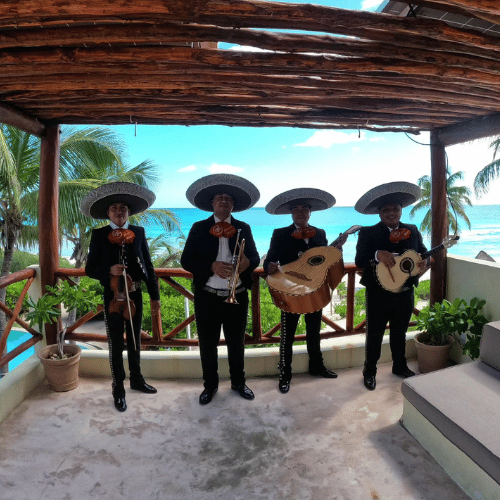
(325, 440)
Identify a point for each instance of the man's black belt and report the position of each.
(222, 292)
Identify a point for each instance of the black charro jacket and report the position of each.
(201, 249)
(103, 254)
(284, 248)
(373, 238)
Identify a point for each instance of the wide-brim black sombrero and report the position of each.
(404, 193)
(317, 199)
(137, 198)
(201, 193)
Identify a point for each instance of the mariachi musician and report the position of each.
(287, 245)
(119, 258)
(222, 274)
(377, 246)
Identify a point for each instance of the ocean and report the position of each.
(483, 235)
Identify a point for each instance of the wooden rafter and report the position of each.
(105, 61)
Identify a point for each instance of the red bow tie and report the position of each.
(306, 232)
(223, 229)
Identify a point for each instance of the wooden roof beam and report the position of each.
(10, 116)
(470, 130)
(239, 14)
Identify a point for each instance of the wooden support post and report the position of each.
(439, 217)
(48, 214)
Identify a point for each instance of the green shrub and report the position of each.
(22, 260)
(89, 285)
(341, 309)
(172, 310)
(423, 291)
(13, 293)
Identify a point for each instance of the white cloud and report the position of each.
(248, 48)
(216, 168)
(189, 168)
(327, 138)
(370, 4)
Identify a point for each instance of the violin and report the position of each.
(120, 285)
(398, 235)
(121, 302)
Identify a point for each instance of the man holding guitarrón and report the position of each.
(287, 245)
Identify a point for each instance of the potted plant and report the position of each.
(446, 322)
(60, 360)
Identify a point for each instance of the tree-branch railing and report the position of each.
(158, 337)
(13, 315)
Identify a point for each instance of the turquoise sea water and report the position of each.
(16, 338)
(484, 234)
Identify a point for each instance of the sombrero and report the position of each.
(96, 203)
(201, 193)
(404, 193)
(317, 199)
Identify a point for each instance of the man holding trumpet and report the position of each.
(221, 254)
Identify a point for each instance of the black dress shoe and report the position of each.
(322, 371)
(207, 395)
(369, 382)
(243, 391)
(143, 387)
(284, 386)
(404, 372)
(120, 403)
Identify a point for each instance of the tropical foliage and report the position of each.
(455, 319)
(457, 199)
(89, 158)
(488, 173)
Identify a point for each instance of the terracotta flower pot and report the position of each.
(62, 374)
(431, 357)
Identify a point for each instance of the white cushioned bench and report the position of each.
(455, 414)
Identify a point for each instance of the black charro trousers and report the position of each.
(383, 307)
(115, 327)
(212, 315)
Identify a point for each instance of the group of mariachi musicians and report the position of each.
(221, 254)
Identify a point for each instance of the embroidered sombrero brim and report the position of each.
(317, 199)
(201, 193)
(137, 198)
(404, 193)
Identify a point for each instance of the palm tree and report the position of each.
(489, 172)
(457, 198)
(163, 253)
(90, 157)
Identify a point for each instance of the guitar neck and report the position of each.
(337, 240)
(432, 251)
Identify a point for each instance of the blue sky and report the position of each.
(345, 163)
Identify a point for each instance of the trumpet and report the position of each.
(234, 278)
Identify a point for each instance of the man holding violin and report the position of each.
(377, 245)
(119, 258)
(213, 249)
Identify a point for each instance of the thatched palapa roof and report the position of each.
(166, 62)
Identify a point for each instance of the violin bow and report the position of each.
(128, 303)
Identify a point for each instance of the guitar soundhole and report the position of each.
(407, 266)
(316, 260)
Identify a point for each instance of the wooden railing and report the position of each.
(158, 337)
(29, 275)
